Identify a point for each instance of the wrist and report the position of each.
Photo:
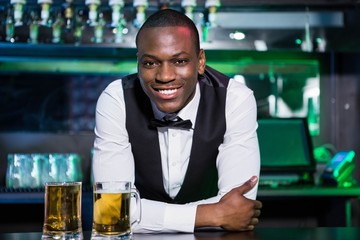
(207, 215)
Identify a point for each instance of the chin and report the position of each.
(168, 109)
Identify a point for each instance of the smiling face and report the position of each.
(168, 66)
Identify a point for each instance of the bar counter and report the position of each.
(308, 206)
(345, 233)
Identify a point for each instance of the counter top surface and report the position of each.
(257, 234)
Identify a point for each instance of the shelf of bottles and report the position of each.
(77, 22)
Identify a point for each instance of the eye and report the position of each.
(181, 61)
(149, 64)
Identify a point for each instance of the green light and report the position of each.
(306, 176)
(347, 184)
(205, 33)
(348, 159)
(298, 41)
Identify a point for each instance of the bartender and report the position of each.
(183, 133)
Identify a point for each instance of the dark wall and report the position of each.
(347, 105)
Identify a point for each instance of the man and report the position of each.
(203, 174)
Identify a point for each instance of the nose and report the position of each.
(165, 73)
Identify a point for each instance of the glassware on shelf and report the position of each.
(212, 6)
(33, 170)
(23, 171)
(116, 8)
(140, 6)
(189, 6)
(69, 14)
(93, 11)
(18, 11)
(119, 31)
(45, 12)
(64, 167)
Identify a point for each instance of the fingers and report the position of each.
(254, 221)
(249, 184)
(257, 213)
(252, 181)
(257, 204)
(250, 227)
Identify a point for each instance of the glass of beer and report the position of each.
(111, 210)
(62, 219)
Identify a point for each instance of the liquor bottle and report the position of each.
(99, 29)
(33, 28)
(57, 28)
(10, 26)
(313, 117)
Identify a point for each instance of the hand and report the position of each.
(233, 212)
(236, 212)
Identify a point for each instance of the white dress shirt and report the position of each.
(238, 158)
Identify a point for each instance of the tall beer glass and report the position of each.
(62, 218)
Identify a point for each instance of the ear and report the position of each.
(202, 62)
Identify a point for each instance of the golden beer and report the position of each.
(111, 213)
(111, 209)
(62, 210)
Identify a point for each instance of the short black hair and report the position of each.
(170, 18)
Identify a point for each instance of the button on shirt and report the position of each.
(176, 153)
(238, 158)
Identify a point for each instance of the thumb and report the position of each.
(249, 184)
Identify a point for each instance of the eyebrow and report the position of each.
(153, 56)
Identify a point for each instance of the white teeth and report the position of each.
(167, 92)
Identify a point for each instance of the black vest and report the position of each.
(201, 178)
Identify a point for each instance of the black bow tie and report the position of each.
(176, 123)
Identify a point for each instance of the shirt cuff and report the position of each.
(180, 218)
